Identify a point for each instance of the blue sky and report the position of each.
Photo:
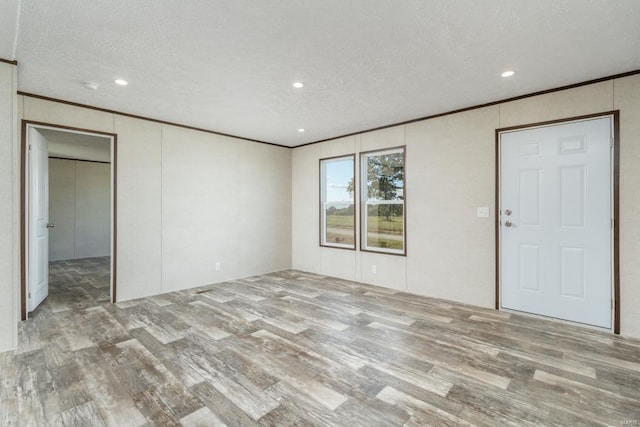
(338, 175)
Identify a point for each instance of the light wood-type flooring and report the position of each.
(298, 349)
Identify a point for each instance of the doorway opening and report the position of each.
(557, 224)
(68, 218)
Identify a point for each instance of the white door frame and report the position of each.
(25, 189)
(615, 205)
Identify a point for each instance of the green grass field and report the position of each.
(385, 233)
(378, 228)
(378, 224)
(340, 221)
(340, 238)
(381, 242)
(340, 229)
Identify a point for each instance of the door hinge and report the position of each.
(29, 295)
(29, 147)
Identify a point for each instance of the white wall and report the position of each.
(223, 201)
(177, 189)
(9, 202)
(229, 202)
(93, 209)
(450, 171)
(186, 200)
(80, 208)
(62, 209)
(139, 207)
(627, 99)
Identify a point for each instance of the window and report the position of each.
(383, 199)
(337, 206)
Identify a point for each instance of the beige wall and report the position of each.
(223, 201)
(450, 172)
(627, 99)
(80, 208)
(9, 202)
(139, 245)
(186, 200)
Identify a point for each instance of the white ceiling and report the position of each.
(228, 66)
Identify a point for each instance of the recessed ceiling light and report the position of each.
(298, 85)
(121, 82)
(508, 73)
(300, 130)
(91, 85)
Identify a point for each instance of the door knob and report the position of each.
(50, 225)
(508, 212)
(508, 223)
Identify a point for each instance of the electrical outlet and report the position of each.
(374, 269)
(483, 212)
(218, 266)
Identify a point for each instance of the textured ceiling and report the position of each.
(228, 66)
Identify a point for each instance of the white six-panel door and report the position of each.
(556, 221)
(38, 232)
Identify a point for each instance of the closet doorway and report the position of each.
(69, 224)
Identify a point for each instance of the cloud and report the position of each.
(342, 186)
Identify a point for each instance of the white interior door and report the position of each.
(38, 259)
(556, 221)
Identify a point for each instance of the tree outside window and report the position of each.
(383, 200)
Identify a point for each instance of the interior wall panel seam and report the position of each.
(75, 209)
(15, 172)
(161, 236)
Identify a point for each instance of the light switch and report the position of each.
(483, 212)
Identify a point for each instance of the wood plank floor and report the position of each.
(293, 348)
